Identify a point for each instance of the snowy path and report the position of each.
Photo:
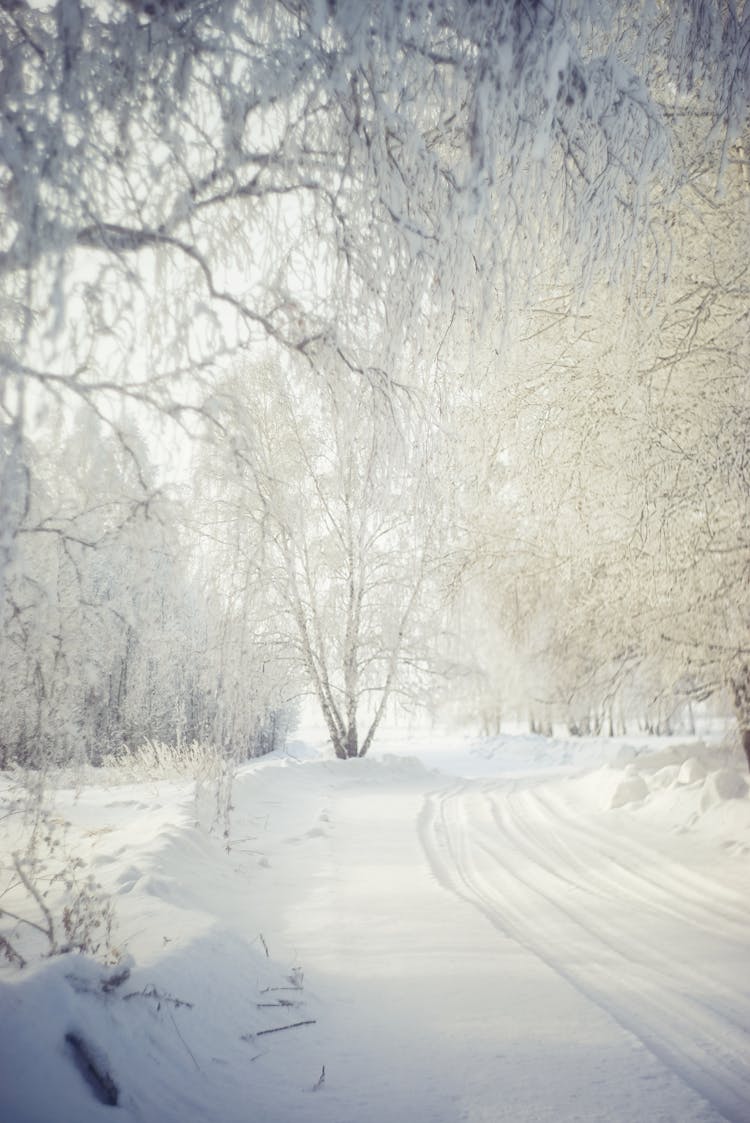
(489, 943)
(610, 982)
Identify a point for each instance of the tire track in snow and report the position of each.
(676, 888)
(597, 875)
(530, 900)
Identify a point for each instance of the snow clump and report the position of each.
(725, 784)
(691, 771)
(631, 789)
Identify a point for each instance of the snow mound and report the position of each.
(662, 757)
(301, 750)
(723, 785)
(403, 765)
(665, 777)
(691, 771)
(631, 789)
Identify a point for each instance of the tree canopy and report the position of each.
(511, 230)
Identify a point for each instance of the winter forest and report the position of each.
(386, 362)
(391, 350)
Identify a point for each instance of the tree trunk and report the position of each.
(352, 739)
(741, 691)
(745, 738)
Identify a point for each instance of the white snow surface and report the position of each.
(472, 930)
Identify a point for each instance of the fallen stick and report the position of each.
(93, 1068)
(278, 1029)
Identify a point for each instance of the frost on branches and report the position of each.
(413, 143)
(347, 184)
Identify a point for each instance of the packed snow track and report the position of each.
(657, 946)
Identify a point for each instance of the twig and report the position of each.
(34, 892)
(23, 920)
(152, 992)
(292, 1025)
(10, 953)
(182, 1039)
(321, 1079)
(116, 980)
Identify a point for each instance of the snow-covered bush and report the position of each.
(51, 902)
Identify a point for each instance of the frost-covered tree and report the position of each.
(179, 179)
(134, 125)
(108, 638)
(326, 494)
(695, 455)
(66, 623)
(615, 552)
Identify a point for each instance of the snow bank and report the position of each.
(723, 785)
(176, 1028)
(682, 787)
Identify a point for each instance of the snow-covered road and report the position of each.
(528, 934)
(516, 949)
(656, 945)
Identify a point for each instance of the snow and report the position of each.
(453, 929)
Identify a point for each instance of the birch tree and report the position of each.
(333, 506)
